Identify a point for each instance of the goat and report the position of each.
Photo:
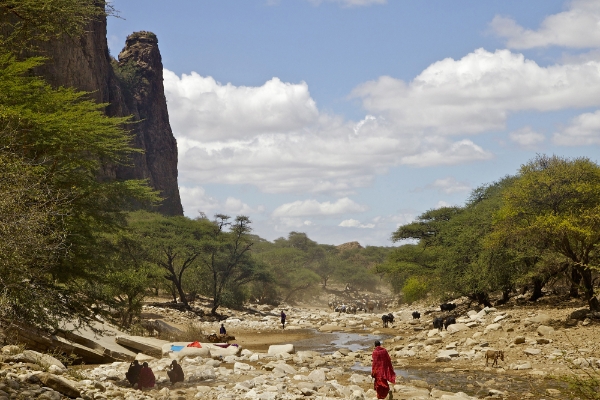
(449, 321)
(495, 355)
(447, 306)
(438, 323)
(387, 318)
(416, 315)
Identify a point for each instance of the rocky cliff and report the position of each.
(131, 85)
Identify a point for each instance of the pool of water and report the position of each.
(328, 343)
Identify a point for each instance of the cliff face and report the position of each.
(133, 85)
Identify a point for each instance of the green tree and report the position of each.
(24, 23)
(173, 244)
(60, 142)
(555, 206)
(225, 255)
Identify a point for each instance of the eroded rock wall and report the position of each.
(131, 85)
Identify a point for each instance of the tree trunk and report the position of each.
(177, 284)
(538, 284)
(588, 286)
(575, 282)
(483, 298)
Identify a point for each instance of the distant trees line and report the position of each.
(511, 236)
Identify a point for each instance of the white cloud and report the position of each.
(352, 223)
(583, 130)
(442, 203)
(196, 200)
(275, 138)
(351, 3)
(449, 185)
(225, 112)
(526, 137)
(577, 27)
(476, 93)
(313, 207)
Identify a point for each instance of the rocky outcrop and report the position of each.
(349, 246)
(131, 86)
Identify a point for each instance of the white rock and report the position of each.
(544, 330)
(317, 375)
(492, 327)
(532, 352)
(457, 328)
(238, 366)
(281, 348)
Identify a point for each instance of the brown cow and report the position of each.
(494, 354)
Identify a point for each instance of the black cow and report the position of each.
(447, 306)
(438, 323)
(387, 318)
(449, 321)
(416, 315)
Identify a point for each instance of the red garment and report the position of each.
(195, 344)
(146, 379)
(383, 371)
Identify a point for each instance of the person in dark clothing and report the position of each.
(222, 331)
(147, 378)
(133, 373)
(176, 372)
(283, 316)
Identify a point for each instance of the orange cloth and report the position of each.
(383, 372)
(195, 344)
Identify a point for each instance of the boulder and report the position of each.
(318, 375)
(492, 327)
(33, 357)
(60, 384)
(147, 345)
(526, 365)
(544, 330)
(281, 348)
(579, 315)
(519, 340)
(457, 328)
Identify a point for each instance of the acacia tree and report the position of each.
(173, 244)
(225, 255)
(555, 206)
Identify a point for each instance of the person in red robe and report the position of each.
(382, 371)
(146, 378)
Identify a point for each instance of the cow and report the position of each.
(447, 306)
(449, 321)
(387, 318)
(495, 355)
(438, 323)
(416, 315)
(370, 306)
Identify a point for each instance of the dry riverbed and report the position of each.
(332, 356)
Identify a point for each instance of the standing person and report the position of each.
(283, 316)
(382, 370)
(222, 331)
(133, 373)
(176, 372)
(147, 378)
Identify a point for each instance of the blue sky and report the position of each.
(347, 118)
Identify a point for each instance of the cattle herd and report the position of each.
(364, 305)
(440, 323)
